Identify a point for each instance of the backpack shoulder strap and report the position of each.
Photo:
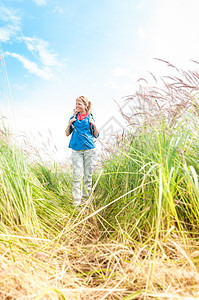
(90, 115)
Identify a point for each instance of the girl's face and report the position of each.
(80, 107)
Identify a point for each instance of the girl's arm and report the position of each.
(68, 131)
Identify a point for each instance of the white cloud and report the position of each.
(5, 34)
(32, 67)
(40, 2)
(46, 63)
(40, 48)
(12, 24)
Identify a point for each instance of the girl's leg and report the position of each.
(77, 160)
(89, 156)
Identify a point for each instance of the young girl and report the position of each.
(84, 130)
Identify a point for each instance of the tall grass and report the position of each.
(31, 198)
(164, 186)
(156, 167)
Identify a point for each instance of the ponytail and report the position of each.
(89, 107)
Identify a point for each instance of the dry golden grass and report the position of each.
(79, 268)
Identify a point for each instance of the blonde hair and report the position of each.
(86, 102)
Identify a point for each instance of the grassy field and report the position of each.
(139, 236)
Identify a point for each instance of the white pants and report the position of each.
(83, 161)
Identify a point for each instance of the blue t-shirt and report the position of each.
(82, 134)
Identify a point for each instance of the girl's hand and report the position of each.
(67, 131)
(72, 121)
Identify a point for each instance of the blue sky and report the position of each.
(57, 50)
